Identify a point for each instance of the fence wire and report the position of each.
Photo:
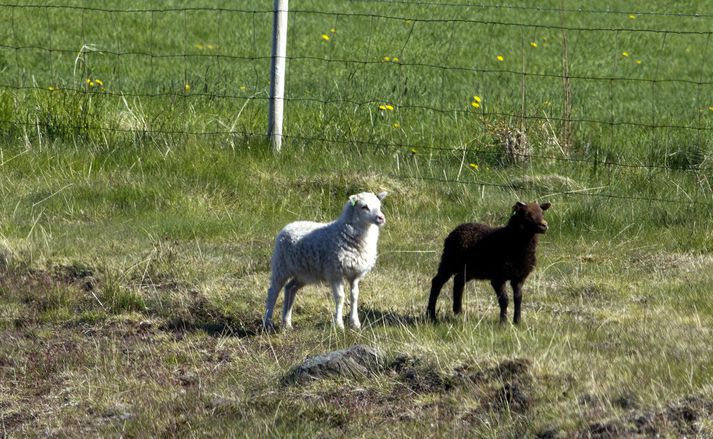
(379, 65)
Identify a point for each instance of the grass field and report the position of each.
(138, 215)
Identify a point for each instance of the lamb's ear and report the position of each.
(352, 200)
(382, 195)
(518, 205)
(545, 206)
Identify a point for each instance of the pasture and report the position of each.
(140, 200)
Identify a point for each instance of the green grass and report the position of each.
(137, 223)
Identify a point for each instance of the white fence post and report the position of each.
(277, 73)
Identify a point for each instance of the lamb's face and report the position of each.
(530, 216)
(367, 208)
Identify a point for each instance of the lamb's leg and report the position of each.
(517, 298)
(272, 293)
(436, 284)
(458, 286)
(290, 293)
(338, 293)
(499, 287)
(354, 311)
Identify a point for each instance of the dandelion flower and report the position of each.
(382, 107)
(50, 88)
(243, 88)
(333, 30)
(325, 37)
(389, 107)
(474, 166)
(387, 58)
(476, 99)
(500, 58)
(187, 87)
(710, 108)
(475, 104)
(624, 53)
(99, 82)
(638, 61)
(211, 46)
(533, 44)
(395, 59)
(413, 151)
(396, 125)
(632, 17)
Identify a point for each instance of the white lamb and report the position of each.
(342, 251)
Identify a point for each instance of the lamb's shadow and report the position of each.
(213, 327)
(375, 317)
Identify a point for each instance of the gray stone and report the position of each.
(355, 362)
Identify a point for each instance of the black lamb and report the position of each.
(499, 254)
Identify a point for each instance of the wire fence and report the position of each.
(597, 87)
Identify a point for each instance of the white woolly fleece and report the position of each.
(342, 251)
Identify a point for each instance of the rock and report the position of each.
(355, 362)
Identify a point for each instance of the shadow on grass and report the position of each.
(228, 327)
(204, 316)
(375, 317)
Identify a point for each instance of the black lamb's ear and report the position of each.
(518, 205)
(545, 206)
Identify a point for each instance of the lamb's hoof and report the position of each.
(356, 325)
(268, 328)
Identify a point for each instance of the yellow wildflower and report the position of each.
(500, 58)
(382, 107)
(475, 104)
(413, 151)
(474, 166)
(389, 107)
(211, 46)
(325, 37)
(387, 58)
(638, 61)
(476, 98)
(533, 44)
(243, 88)
(99, 82)
(710, 108)
(50, 88)
(199, 46)
(396, 125)
(395, 59)
(333, 30)
(624, 53)
(632, 17)
(187, 87)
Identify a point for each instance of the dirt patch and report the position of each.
(420, 376)
(680, 418)
(512, 381)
